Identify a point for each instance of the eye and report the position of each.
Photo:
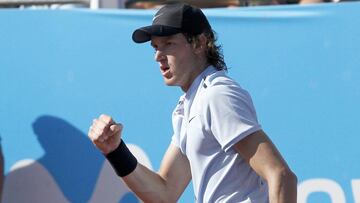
(154, 46)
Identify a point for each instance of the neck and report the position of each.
(197, 70)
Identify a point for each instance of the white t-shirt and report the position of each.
(213, 115)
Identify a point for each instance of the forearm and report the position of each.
(283, 187)
(165, 186)
(147, 185)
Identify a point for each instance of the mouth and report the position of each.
(165, 70)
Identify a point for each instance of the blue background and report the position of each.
(59, 69)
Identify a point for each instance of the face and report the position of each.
(177, 60)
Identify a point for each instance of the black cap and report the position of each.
(172, 19)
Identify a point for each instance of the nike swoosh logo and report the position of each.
(191, 118)
(157, 16)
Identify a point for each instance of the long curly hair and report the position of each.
(214, 53)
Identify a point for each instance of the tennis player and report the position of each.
(218, 142)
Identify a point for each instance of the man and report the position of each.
(217, 141)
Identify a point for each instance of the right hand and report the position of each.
(105, 133)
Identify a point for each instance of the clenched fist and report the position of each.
(105, 134)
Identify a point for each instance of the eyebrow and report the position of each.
(164, 38)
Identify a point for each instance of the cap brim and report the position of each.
(144, 34)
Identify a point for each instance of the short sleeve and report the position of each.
(230, 114)
(177, 117)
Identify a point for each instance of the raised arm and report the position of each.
(165, 186)
(266, 160)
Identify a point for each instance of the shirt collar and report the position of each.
(195, 84)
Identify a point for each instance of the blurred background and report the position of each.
(64, 62)
(148, 4)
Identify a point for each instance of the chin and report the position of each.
(169, 82)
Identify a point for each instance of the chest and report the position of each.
(196, 138)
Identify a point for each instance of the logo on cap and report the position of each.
(157, 16)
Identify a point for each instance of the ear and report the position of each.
(201, 46)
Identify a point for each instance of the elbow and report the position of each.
(293, 178)
(160, 198)
(283, 186)
(283, 177)
(166, 200)
(287, 177)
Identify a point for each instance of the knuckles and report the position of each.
(106, 119)
(103, 128)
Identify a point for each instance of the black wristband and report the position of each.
(122, 160)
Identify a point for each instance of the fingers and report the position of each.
(115, 128)
(97, 135)
(106, 119)
(103, 128)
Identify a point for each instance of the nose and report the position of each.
(159, 56)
